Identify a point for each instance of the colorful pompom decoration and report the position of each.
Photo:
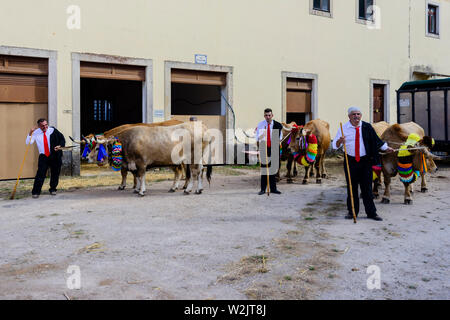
(116, 156)
(310, 146)
(404, 165)
(376, 172)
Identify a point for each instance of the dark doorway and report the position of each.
(194, 99)
(378, 102)
(106, 104)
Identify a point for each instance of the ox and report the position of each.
(417, 154)
(309, 144)
(286, 154)
(145, 146)
(92, 148)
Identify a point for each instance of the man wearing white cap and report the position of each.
(362, 144)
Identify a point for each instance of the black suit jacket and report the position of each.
(56, 139)
(372, 142)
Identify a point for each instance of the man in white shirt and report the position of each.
(362, 144)
(49, 142)
(269, 132)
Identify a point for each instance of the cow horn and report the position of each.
(287, 128)
(431, 155)
(74, 141)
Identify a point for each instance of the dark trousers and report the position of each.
(52, 162)
(361, 175)
(272, 181)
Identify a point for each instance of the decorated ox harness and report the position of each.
(308, 149)
(405, 161)
(117, 157)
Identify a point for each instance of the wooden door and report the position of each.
(23, 100)
(378, 103)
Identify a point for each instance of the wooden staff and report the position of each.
(20, 172)
(349, 178)
(267, 168)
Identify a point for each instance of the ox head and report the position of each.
(419, 149)
(100, 151)
(303, 145)
(87, 143)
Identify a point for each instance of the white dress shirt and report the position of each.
(350, 134)
(262, 128)
(38, 137)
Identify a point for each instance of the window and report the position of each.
(365, 11)
(322, 5)
(433, 19)
(322, 8)
(102, 110)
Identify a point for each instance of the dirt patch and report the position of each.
(227, 243)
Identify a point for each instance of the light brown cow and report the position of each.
(320, 129)
(92, 156)
(145, 146)
(395, 136)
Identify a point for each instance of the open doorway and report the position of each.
(106, 104)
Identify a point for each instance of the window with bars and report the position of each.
(321, 5)
(365, 11)
(433, 15)
(102, 110)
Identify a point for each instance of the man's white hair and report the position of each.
(354, 109)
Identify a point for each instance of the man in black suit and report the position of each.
(49, 142)
(268, 134)
(362, 144)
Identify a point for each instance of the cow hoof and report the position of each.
(171, 190)
(319, 181)
(408, 201)
(141, 194)
(135, 191)
(424, 190)
(305, 182)
(198, 192)
(121, 188)
(290, 181)
(385, 200)
(186, 192)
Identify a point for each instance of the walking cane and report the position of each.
(20, 173)
(267, 170)
(349, 178)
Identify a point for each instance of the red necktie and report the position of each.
(46, 148)
(357, 145)
(268, 135)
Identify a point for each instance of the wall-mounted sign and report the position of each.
(201, 59)
(404, 103)
(158, 113)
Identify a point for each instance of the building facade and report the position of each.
(91, 65)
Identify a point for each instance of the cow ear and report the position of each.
(427, 141)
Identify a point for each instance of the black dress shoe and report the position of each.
(261, 192)
(375, 217)
(276, 192)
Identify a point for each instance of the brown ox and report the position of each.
(321, 129)
(145, 146)
(286, 154)
(92, 156)
(395, 136)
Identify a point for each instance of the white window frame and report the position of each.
(438, 20)
(328, 14)
(364, 21)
